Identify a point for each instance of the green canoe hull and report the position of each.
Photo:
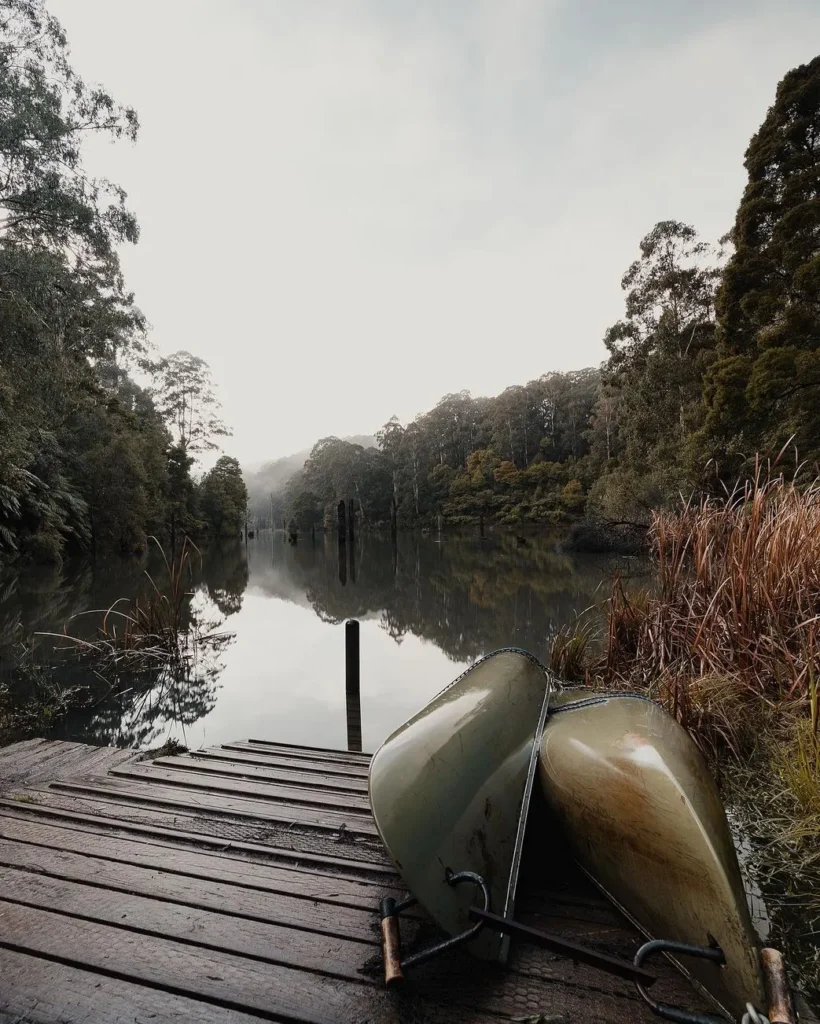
(644, 819)
(451, 790)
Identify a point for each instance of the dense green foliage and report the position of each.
(711, 359)
(223, 498)
(86, 456)
(521, 457)
(765, 386)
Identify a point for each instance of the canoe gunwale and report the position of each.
(512, 885)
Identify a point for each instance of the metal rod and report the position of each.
(558, 944)
(353, 702)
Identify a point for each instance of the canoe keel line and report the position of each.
(450, 793)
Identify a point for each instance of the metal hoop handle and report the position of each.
(667, 1010)
(391, 937)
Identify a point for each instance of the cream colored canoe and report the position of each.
(450, 790)
(643, 817)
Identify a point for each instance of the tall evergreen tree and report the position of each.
(765, 387)
(223, 498)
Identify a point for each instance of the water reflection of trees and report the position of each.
(466, 595)
(139, 706)
(145, 706)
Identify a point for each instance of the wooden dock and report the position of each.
(241, 883)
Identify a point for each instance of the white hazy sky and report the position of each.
(353, 207)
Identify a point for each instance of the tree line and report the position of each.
(715, 362)
(90, 459)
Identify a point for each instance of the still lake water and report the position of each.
(427, 608)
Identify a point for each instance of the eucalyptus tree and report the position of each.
(186, 398)
(765, 386)
(63, 302)
(661, 349)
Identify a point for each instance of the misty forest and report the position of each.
(714, 361)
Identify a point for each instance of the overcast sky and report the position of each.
(353, 207)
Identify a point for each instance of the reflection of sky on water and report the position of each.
(427, 609)
(289, 668)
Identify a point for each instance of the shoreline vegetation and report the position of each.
(158, 648)
(91, 462)
(726, 637)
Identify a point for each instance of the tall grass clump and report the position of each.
(159, 628)
(733, 620)
(570, 652)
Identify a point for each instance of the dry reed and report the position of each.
(736, 604)
(158, 629)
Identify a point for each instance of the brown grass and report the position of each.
(570, 652)
(733, 622)
(159, 629)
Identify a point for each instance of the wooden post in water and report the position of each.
(351, 536)
(342, 527)
(353, 703)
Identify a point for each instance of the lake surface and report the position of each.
(427, 608)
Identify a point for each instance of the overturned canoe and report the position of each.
(450, 790)
(643, 817)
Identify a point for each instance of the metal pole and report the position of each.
(353, 702)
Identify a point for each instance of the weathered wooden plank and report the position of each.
(14, 751)
(320, 949)
(244, 755)
(354, 803)
(339, 956)
(185, 799)
(51, 759)
(264, 773)
(344, 959)
(294, 759)
(38, 991)
(559, 985)
(273, 992)
(330, 752)
(30, 837)
(205, 890)
(285, 842)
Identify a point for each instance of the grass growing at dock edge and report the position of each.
(727, 638)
